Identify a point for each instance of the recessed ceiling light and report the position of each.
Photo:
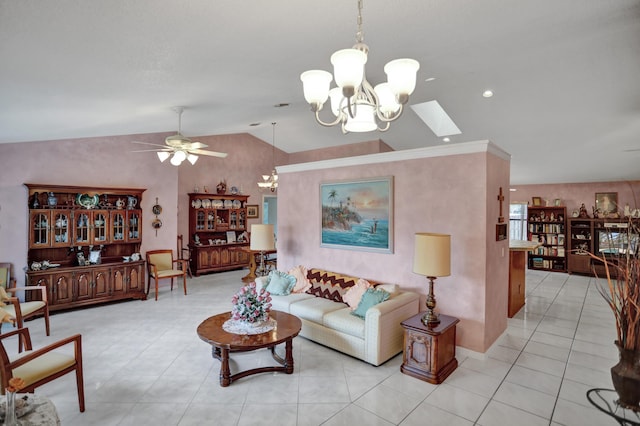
(254, 124)
(447, 139)
(487, 93)
(430, 79)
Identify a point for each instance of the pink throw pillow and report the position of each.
(354, 294)
(302, 282)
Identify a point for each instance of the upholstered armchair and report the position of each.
(161, 265)
(39, 366)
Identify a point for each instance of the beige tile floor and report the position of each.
(145, 365)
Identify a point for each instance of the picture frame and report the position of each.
(607, 202)
(357, 214)
(536, 201)
(501, 231)
(557, 202)
(253, 211)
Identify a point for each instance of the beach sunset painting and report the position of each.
(358, 214)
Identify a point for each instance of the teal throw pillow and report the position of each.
(370, 298)
(280, 283)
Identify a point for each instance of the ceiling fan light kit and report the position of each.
(356, 105)
(180, 147)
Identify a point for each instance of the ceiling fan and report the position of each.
(180, 146)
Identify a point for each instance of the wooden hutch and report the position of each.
(218, 235)
(609, 237)
(79, 238)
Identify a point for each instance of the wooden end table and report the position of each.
(223, 343)
(429, 352)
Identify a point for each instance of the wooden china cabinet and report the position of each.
(217, 227)
(78, 240)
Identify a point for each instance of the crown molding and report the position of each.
(404, 155)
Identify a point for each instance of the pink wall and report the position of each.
(247, 160)
(339, 151)
(104, 162)
(446, 194)
(574, 194)
(497, 269)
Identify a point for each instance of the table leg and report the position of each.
(225, 372)
(288, 360)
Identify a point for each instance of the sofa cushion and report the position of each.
(354, 294)
(370, 298)
(280, 283)
(283, 303)
(302, 282)
(314, 308)
(329, 285)
(392, 289)
(342, 320)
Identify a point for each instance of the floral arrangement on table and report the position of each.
(250, 304)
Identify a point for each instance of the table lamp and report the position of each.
(262, 239)
(432, 258)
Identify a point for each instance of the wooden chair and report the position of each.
(40, 366)
(23, 310)
(181, 252)
(160, 264)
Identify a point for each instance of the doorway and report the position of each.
(270, 211)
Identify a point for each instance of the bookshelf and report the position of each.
(547, 225)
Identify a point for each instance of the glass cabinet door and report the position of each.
(242, 221)
(61, 228)
(99, 228)
(233, 220)
(81, 228)
(39, 236)
(117, 226)
(200, 218)
(211, 220)
(135, 233)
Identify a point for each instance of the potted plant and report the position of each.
(621, 290)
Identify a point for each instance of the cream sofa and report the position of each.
(328, 321)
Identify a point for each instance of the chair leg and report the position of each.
(184, 283)
(80, 385)
(171, 283)
(46, 320)
(156, 288)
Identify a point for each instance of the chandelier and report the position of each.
(357, 106)
(271, 181)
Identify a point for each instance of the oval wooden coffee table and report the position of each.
(223, 343)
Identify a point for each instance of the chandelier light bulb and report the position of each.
(175, 160)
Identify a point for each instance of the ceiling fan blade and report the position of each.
(208, 153)
(154, 150)
(149, 143)
(197, 145)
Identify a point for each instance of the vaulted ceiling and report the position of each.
(564, 73)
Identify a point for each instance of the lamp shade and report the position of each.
(348, 67)
(364, 120)
(262, 237)
(315, 84)
(401, 75)
(163, 155)
(432, 255)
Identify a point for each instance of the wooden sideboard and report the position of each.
(79, 238)
(217, 224)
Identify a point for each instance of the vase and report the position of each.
(10, 418)
(626, 378)
(52, 200)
